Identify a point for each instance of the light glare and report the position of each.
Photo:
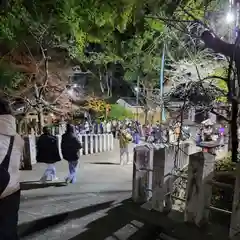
(230, 17)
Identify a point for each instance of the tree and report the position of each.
(119, 112)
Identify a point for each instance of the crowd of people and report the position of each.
(209, 131)
(148, 132)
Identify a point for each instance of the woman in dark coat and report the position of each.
(48, 152)
(70, 147)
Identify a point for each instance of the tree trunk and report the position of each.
(40, 120)
(234, 135)
(146, 116)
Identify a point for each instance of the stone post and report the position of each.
(85, 147)
(100, 136)
(59, 139)
(96, 139)
(235, 217)
(29, 154)
(158, 187)
(91, 143)
(108, 141)
(111, 142)
(81, 141)
(104, 142)
(141, 178)
(198, 192)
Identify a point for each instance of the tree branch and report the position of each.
(219, 46)
(220, 115)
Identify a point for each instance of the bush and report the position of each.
(223, 197)
(119, 112)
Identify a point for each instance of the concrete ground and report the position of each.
(90, 209)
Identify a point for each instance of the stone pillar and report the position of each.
(85, 147)
(140, 185)
(158, 188)
(111, 142)
(96, 143)
(81, 141)
(235, 217)
(193, 114)
(100, 137)
(29, 154)
(198, 192)
(104, 142)
(59, 139)
(108, 142)
(91, 143)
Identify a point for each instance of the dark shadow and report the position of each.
(29, 228)
(36, 185)
(104, 227)
(173, 228)
(104, 163)
(116, 219)
(148, 231)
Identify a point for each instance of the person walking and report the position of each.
(124, 139)
(70, 150)
(136, 133)
(48, 152)
(11, 149)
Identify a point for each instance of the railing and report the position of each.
(152, 167)
(92, 143)
(153, 184)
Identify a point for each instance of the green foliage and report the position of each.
(142, 53)
(223, 197)
(9, 78)
(119, 112)
(122, 28)
(221, 72)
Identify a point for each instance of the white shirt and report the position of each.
(8, 129)
(108, 127)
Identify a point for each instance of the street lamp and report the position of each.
(230, 17)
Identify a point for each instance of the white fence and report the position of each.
(91, 143)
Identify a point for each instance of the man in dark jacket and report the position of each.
(48, 152)
(70, 150)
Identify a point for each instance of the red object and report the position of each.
(205, 149)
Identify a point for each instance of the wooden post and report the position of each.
(199, 193)
(235, 217)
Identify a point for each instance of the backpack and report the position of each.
(4, 174)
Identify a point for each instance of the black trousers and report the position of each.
(9, 207)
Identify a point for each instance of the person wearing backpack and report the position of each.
(11, 149)
(48, 152)
(70, 147)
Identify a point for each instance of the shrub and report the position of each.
(223, 197)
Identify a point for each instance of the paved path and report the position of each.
(102, 183)
(91, 209)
